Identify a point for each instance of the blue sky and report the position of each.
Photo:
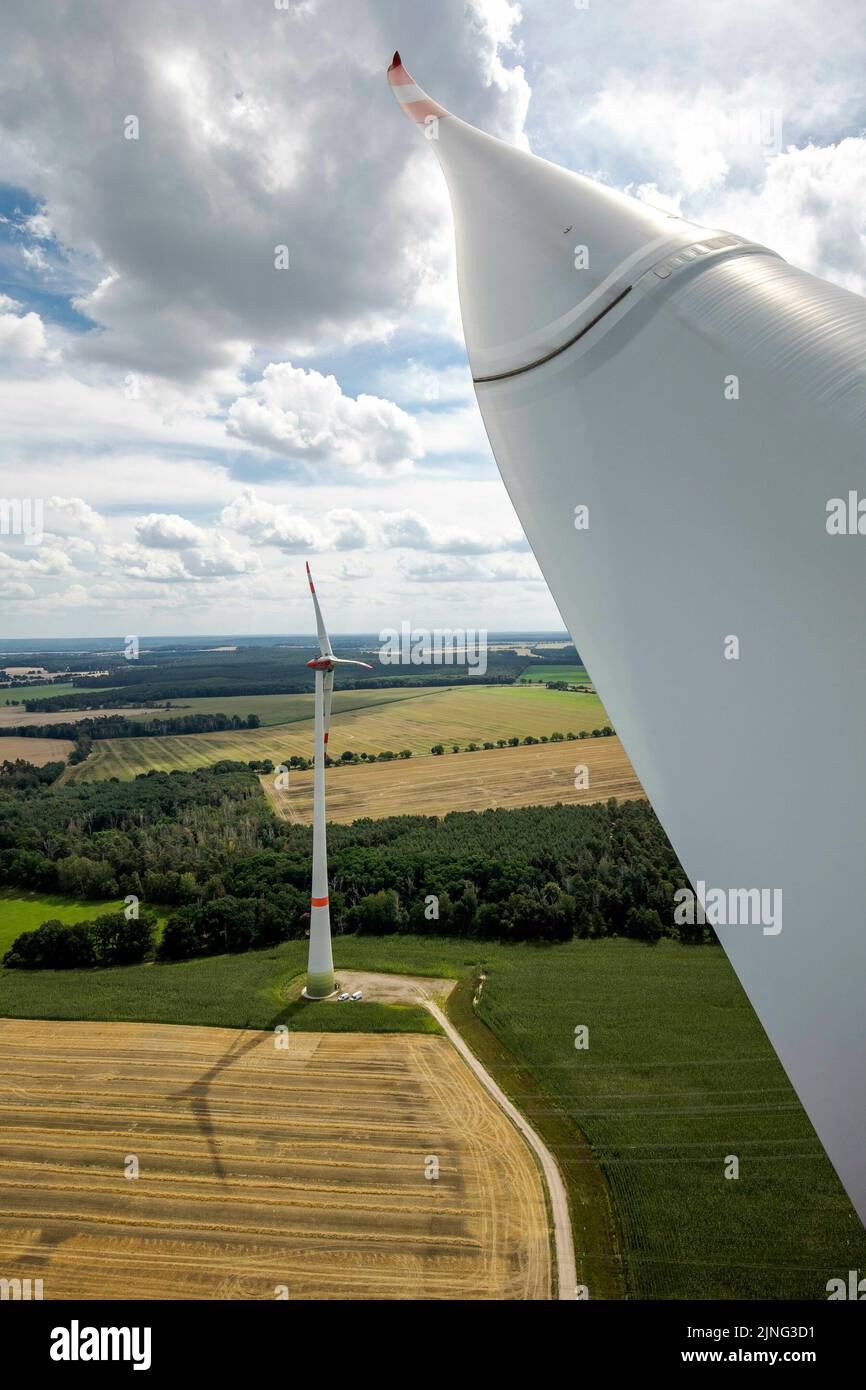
(197, 422)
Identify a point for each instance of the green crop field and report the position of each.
(22, 911)
(275, 709)
(677, 1076)
(537, 675)
(414, 719)
(33, 692)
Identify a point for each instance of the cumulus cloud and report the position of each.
(305, 417)
(211, 556)
(257, 127)
(50, 560)
(751, 120)
(409, 531)
(21, 335)
(76, 514)
(268, 524)
(347, 529)
(260, 128)
(810, 207)
(455, 569)
(136, 562)
(12, 589)
(167, 531)
(343, 528)
(217, 557)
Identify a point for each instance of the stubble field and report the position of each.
(540, 775)
(263, 1171)
(38, 751)
(413, 719)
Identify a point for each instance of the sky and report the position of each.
(196, 418)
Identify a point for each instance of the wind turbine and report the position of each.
(320, 962)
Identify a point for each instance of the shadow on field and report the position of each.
(197, 1093)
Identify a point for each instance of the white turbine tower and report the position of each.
(320, 962)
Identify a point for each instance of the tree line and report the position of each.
(144, 693)
(207, 845)
(514, 742)
(111, 939)
(120, 726)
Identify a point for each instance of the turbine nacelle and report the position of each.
(327, 663)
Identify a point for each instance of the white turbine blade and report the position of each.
(347, 661)
(328, 689)
(324, 640)
(725, 538)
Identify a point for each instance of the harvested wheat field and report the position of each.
(539, 775)
(15, 715)
(38, 751)
(263, 1171)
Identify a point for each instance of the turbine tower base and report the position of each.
(319, 986)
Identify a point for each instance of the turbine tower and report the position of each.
(320, 962)
(677, 414)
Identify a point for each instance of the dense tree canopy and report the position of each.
(208, 844)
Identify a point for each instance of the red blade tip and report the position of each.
(396, 61)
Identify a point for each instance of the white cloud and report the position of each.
(459, 569)
(262, 127)
(76, 514)
(346, 529)
(810, 208)
(414, 383)
(354, 570)
(218, 557)
(21, 335)
(304, 416)
(268, 524)
(167, 531)
(38, 225)
(50, 560)
(15, 589)
(210, 556)
(407, 530)
(257, 127)
(34, 259)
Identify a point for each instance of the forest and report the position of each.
(119, 726)
(254, 671)
(207, 845)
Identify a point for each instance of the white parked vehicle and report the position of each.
(343, 996)
(358, 994)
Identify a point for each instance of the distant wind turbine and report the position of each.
(320, 962)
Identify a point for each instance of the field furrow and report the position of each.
(258, 1168)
